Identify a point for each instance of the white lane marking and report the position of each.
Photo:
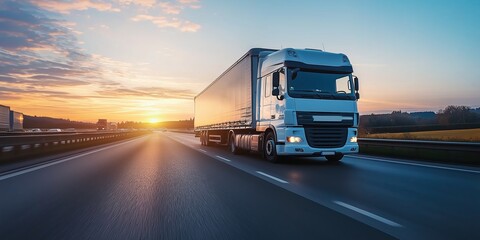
(417, 164)
(201, 150)
(224, 159)
(272, 177)
(368, 214)
(17, 173)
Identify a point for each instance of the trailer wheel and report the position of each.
(269, 149)
(334, 158)
(207, 143)
(202, 139)
(233, 148)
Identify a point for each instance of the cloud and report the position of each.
(165, 22)
(67, 7)
(144, 3)
(170, 8)
(190, 3)
(11, 93)
(40, 51)
(37, 49)
(179, 6)
(44, 69)
(149, 92)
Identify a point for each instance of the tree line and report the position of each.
(451, 117)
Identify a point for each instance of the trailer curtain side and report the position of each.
(227, 102)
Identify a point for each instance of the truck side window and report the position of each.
(282, 85)
(268, 85)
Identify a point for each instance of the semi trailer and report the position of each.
(288, 102)
(4, 118)
(16, 121)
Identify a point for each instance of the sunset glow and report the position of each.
(153, 120)
(131, 60)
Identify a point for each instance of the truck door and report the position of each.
(266, 101)
(277, 107)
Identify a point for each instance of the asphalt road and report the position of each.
(168, 186)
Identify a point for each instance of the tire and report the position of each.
(334, 158)
(202, 139)
(231, 144)
(207, 143)
(269, 149)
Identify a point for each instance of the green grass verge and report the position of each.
(463, 135)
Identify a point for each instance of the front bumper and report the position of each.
(302, 148)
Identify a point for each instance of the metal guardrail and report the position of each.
(450, 146)
(438, 151)
(22, 145)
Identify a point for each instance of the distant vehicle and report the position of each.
(102, 124)
(16, 121)
(54, 130)
(289, 102)
(112, 126)
(35, 130)
(4, 118)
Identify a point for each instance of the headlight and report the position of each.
(353, 139)
(294, 139)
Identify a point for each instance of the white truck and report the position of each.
(16, 121)
(4, 118)
(288, 102)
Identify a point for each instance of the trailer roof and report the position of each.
(251, 52)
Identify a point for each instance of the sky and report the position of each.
(145, 60)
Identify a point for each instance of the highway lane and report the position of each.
(407, 199)
(154, 187)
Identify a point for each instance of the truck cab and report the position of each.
(306, 104)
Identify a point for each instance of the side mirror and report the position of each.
(276, 79)
(275, 92)
(357, 95)
(355, 82)
(276, 84)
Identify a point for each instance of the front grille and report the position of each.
(308, 118)
(326, 137)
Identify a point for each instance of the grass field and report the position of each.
(463, 135)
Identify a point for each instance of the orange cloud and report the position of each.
(177, 8)
(170, 8)
(163, 22)
(79, 5)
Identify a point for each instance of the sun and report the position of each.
(153, 120)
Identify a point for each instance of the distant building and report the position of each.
(102, 124)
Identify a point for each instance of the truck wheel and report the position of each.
(334, 158)
(269, 149)
(202, 139)
(207, 143)
(233, 148)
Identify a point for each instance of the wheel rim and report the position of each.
(269, 147)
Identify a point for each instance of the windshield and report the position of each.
(307, 84)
